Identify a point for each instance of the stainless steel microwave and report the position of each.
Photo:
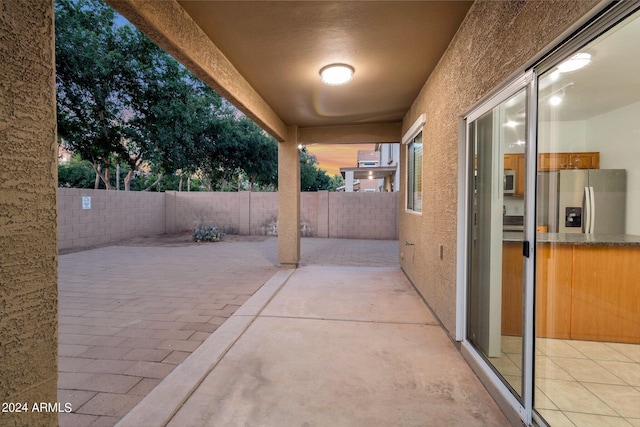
(509, 182)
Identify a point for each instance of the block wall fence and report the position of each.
(114, 216)
(118, 215)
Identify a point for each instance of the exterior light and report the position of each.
(577, 61)
(336, 74)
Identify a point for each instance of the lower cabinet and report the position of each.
(582, 292)
(553, 291)
(606, 294)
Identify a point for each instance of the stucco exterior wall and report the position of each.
(28, 237)
(114, 216)
(494, 41)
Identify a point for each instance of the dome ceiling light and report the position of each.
(577, 61)
(336, 74)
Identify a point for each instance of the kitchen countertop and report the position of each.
(577, 239)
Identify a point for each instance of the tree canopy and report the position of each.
(124, 103)
(312, 178)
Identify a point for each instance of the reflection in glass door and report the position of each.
(587, 324)
(495, 294)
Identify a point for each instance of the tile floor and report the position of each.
(580, 383)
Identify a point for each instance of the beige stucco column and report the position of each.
(289, 200)
(28, 218)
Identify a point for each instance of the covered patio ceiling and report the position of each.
(265, 56)
(374, 172)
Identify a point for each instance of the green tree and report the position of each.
(258, 154)
(124, 102)
(177, 117)
(89, 82)
(312, 178)
(335, 181)
(77, 173)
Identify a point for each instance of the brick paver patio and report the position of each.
(128, 315)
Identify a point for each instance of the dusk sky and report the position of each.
(332, 157)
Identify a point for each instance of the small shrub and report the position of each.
(207, 233)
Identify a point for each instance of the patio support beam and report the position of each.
(348, 181)
(169, 26)
(289, 200)
(376, 133)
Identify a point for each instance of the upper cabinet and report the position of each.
(515, 162)
(550, 162)
(557, 161)
(510, 161)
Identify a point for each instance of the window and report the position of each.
(413, 139)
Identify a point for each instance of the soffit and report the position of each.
(279, 47)
(375, 172)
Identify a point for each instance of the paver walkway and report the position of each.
(128, 315)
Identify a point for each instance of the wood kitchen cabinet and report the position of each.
(583, 292)
(516, 162)
(510, 162)
(553, 290)
(577, 160)
(606, 294)
(583, 160)
(520, 174)
(512, 277)
(551, 161)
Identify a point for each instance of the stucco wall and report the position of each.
(28, 242)
(494, 41)
(114, 216)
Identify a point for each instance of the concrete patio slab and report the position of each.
(367, 294)
(307, 360)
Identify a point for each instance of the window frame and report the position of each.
(409, 139)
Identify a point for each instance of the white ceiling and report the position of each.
(611, 81)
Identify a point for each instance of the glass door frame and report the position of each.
(527, 81)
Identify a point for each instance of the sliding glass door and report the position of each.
(587, 324)
(497, 141)
(552, 301)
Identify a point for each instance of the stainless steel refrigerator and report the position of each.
(582, 201)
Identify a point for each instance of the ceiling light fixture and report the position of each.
(556, 99)
(576, 62)
(336, 74)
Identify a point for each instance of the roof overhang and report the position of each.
(376, 172)
(265, 57)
